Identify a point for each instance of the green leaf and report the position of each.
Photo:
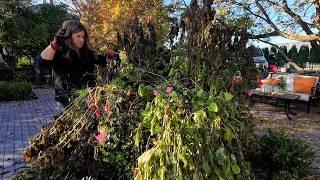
(199, 93)
(228, 96)
(185, 93)
(213, 107)
(233, 157)
(227, 135)
(220, 156)
(235, 169)
(141, 90)
(173, 94)
(138, 136)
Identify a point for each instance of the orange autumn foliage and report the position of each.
(105, 18)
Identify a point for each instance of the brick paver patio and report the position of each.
(19, 120)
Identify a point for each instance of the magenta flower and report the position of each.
(97, 112)
(169, 89)
(273, 68)
(250, 92)
(101, 138)
(260, 83)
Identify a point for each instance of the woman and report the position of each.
(72, 60)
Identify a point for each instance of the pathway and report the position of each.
(19, 120)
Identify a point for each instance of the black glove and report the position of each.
(60, 37)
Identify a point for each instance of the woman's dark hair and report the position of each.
(68, 28)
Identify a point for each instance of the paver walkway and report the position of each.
(19, 120)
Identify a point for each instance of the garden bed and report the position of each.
(16, 91)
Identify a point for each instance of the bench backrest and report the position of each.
(303, 83)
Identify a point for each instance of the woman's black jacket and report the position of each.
(72, 74)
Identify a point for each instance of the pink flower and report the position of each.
(107, 108)
(260, 83)
(97, 112)
(250, 91)
(109, 113)
(169, 89)
(156, 93)
(128, 93)
(273, 68)
(101, 138)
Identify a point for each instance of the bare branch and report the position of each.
(247, 8)
(279, 49)
(296, 17)
(301, 37)
(317, 18)
(268, 20)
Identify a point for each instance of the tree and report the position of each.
(105, 18)
(303, 55)
(293, 53)
(295, 20)
(266, 52)
(27, 28)
(279, 58)
(314, 56)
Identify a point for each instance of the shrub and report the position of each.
(24, 62)
(15, 91)
(286, 157)
(25, 75)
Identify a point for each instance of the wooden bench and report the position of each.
(287, 99)
(302, 85)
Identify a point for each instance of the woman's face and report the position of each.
(78, 39)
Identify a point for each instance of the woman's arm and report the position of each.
(49, 52)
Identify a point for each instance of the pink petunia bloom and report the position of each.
(128, 93)
(107, 108)
(109, 113)
(260, 83)
(169, 89)
(273, 68)
(97, 112)
(250, 91)
(101, 138)
(156, 93)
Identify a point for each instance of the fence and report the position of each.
(312, 66)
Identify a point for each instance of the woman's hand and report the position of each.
(58, 40)
(60, 37)
(112, 58)
(111, 54)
